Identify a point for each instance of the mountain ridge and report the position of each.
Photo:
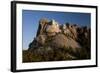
(70, 39)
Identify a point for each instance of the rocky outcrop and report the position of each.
(42, 26)
(61, 41)
(70, 39)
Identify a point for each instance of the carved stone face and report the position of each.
(53, 27)
(64, 26)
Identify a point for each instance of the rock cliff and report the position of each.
(61, 41)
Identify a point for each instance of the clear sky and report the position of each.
(30, 21)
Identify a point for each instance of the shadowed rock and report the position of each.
(68, 40)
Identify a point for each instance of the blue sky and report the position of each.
(30, 21)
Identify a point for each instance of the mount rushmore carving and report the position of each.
(55, 42)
